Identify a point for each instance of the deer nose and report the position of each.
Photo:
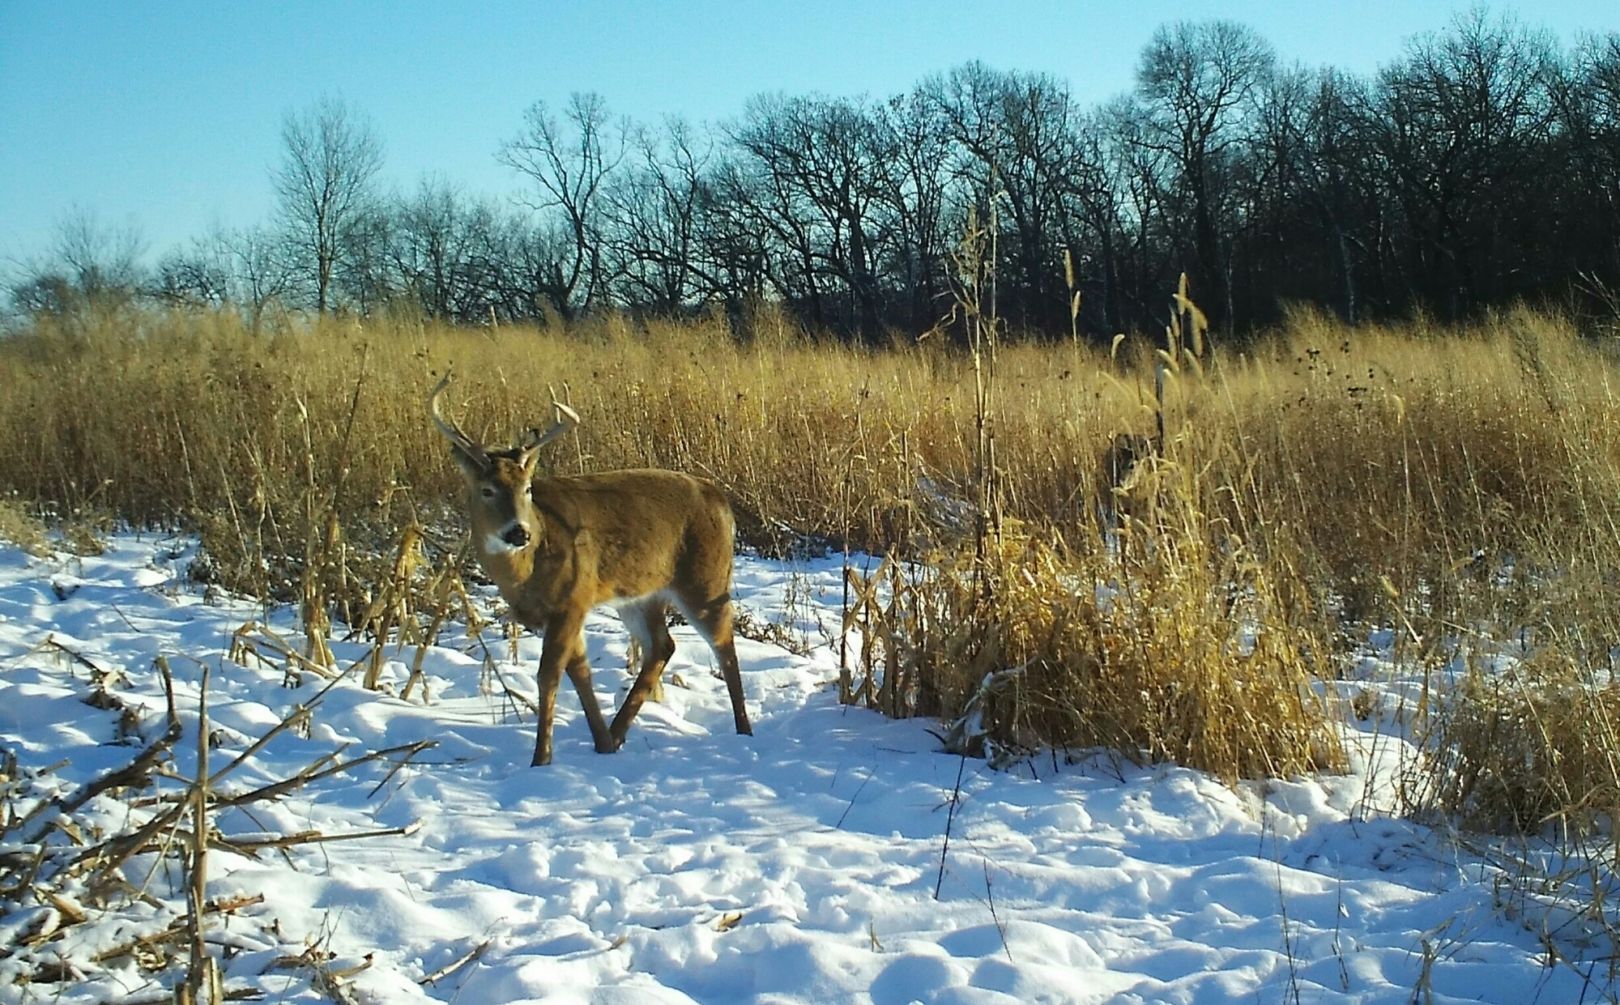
(516, 536)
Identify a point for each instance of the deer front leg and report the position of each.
(549, 678)
(564, 651)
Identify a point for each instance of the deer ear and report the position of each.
(471, 467)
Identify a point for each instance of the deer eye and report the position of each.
(528, 491)
(487, 492)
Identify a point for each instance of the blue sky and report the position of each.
(164, 116)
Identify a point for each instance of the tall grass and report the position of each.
(189, 418)
(1315, 483)
(1175, 639)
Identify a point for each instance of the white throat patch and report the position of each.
(494, 545)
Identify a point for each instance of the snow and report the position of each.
(798, 865)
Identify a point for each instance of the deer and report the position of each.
(640, 541)
(1126, 457)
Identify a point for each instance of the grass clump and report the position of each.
(1031, 645)
(23, 528)
(1517, 752)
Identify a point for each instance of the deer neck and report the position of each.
(534, 581)
(511, 569)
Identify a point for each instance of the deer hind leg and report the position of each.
(713, 620)
(645, 623)
(632, 659)
(579, 671)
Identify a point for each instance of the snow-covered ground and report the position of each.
(798, 865)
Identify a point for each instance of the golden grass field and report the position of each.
(1317, 483)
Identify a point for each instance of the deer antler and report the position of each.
(452, 432)
(566, 419)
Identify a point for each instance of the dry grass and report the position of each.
(1405, 455)
(23, 528)
(183, 417)
(1168, 636)
(1516, 752)
(1030, 645)
(1322, 479)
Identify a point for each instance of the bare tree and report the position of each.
(1143, 180)
(1197, 81)
(244, 268)
(914, 202)
(324, 185)
(445, 252)
(1460, 126)
(1020, 148)
(193, 276)
(570, 165)
(89, 264)
(825, 163)
(100, 258)
(654, 217)
(1588, 101)
(260, 273)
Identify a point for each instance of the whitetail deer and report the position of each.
(1125, 459)
(638, 540)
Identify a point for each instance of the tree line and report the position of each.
(1479, 167)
